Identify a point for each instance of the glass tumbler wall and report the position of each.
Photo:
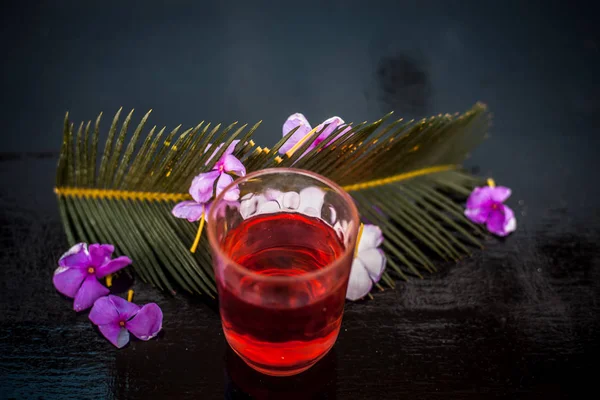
(282, 254)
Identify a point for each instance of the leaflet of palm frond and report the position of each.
(405, 176)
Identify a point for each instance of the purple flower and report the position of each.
(116, 317)
(298, 119)
(230, 149)
(79, 270)
(202, 186)
(191, 210)
(485, 206)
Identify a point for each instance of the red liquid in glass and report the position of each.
(296, 324)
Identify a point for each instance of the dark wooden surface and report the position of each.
(520, 319)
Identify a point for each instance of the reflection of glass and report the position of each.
(282, 258)
(242, 382)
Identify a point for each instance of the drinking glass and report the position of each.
(282, 254)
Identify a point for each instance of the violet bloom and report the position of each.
(202, 186)
(298, 119)
(368, 265)
(79, 270)
(230, 149)
(485, 206)
(191, 210)
(117, 317)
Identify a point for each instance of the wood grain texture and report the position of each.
(519, 319)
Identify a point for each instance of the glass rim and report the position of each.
(216, 246)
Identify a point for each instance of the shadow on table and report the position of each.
(242, 382)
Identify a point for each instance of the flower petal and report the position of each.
(371, 238)
(480, 197)
(207, 207)
(359, 283)
(76, 257)
(495, 222)
(500, 193)
(231, 147)
(90, 291)
(201, 188)
(100, 253)
(224, 181)
(104, 312)
(233, 165)
(147, 322)
(342, 133)
(331, 125)
(189, 210)
(115, 334)
(293, 121)
(290, 200)
(230, 150)
(510, 223)
(126, 309)
(249, 205)
(68, 280)
(311, 201)
(112, 266)
(478, 215)
(268, 207)
(374, 261)
(501, 221)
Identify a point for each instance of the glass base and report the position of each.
(280, 371)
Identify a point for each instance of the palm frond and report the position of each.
(405, 177)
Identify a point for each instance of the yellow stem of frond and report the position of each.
(159, 196)
(397, 178)
(119, 194)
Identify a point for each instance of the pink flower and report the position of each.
(117, 317)
(485, 206)
(202, 188)
(79, 270)
(298, 119)
(191, 210)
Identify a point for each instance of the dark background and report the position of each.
(518, 320)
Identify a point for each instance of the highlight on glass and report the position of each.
(282, 255)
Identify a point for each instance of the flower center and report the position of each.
(221, 168)
(91, 270)
(494, 206)
(121, 323)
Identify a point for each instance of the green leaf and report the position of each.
(404, 175)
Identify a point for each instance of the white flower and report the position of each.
(308, 202)
(368, 265)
